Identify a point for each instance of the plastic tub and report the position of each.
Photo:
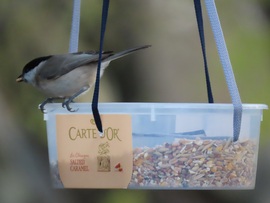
(178, 146)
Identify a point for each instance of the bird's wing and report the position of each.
(59, 65)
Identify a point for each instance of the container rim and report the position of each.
(127, 105)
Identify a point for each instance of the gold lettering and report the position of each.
(109, 133)
(83, 133)
(70, 134)
(78, 134)
(88, 133)
(94, 133)
(115, 131)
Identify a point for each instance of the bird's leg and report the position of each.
(70, 99)
(48, 100)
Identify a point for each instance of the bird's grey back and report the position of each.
(59, 65)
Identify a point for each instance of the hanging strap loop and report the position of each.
(96, 114)
(198, 11)
(227, 67)
(75, 27)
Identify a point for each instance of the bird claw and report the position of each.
(69, 100)
(66, 103)
(42, 105)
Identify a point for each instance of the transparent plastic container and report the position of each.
(180, 146)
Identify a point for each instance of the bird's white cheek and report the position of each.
(31, 76)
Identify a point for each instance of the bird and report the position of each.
(67, 76)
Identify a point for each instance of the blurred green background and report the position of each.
(170, 71)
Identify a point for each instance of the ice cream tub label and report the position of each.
(88, 159)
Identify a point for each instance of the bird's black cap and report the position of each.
(31, 65)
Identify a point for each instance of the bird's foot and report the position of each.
(70, 99)
(42, 105)
(66, 103)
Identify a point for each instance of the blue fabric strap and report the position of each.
(227, 67)
(75, 27)
(198, 10)
(97, 118)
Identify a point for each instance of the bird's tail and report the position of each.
(125, 52)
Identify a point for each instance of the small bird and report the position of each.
(66, 76)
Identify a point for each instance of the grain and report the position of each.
(195, 163)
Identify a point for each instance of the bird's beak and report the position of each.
(19, 79)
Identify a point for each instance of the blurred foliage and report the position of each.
(125, 196)
(248, 43)
(253, 61)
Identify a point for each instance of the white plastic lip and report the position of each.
(131, 106)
